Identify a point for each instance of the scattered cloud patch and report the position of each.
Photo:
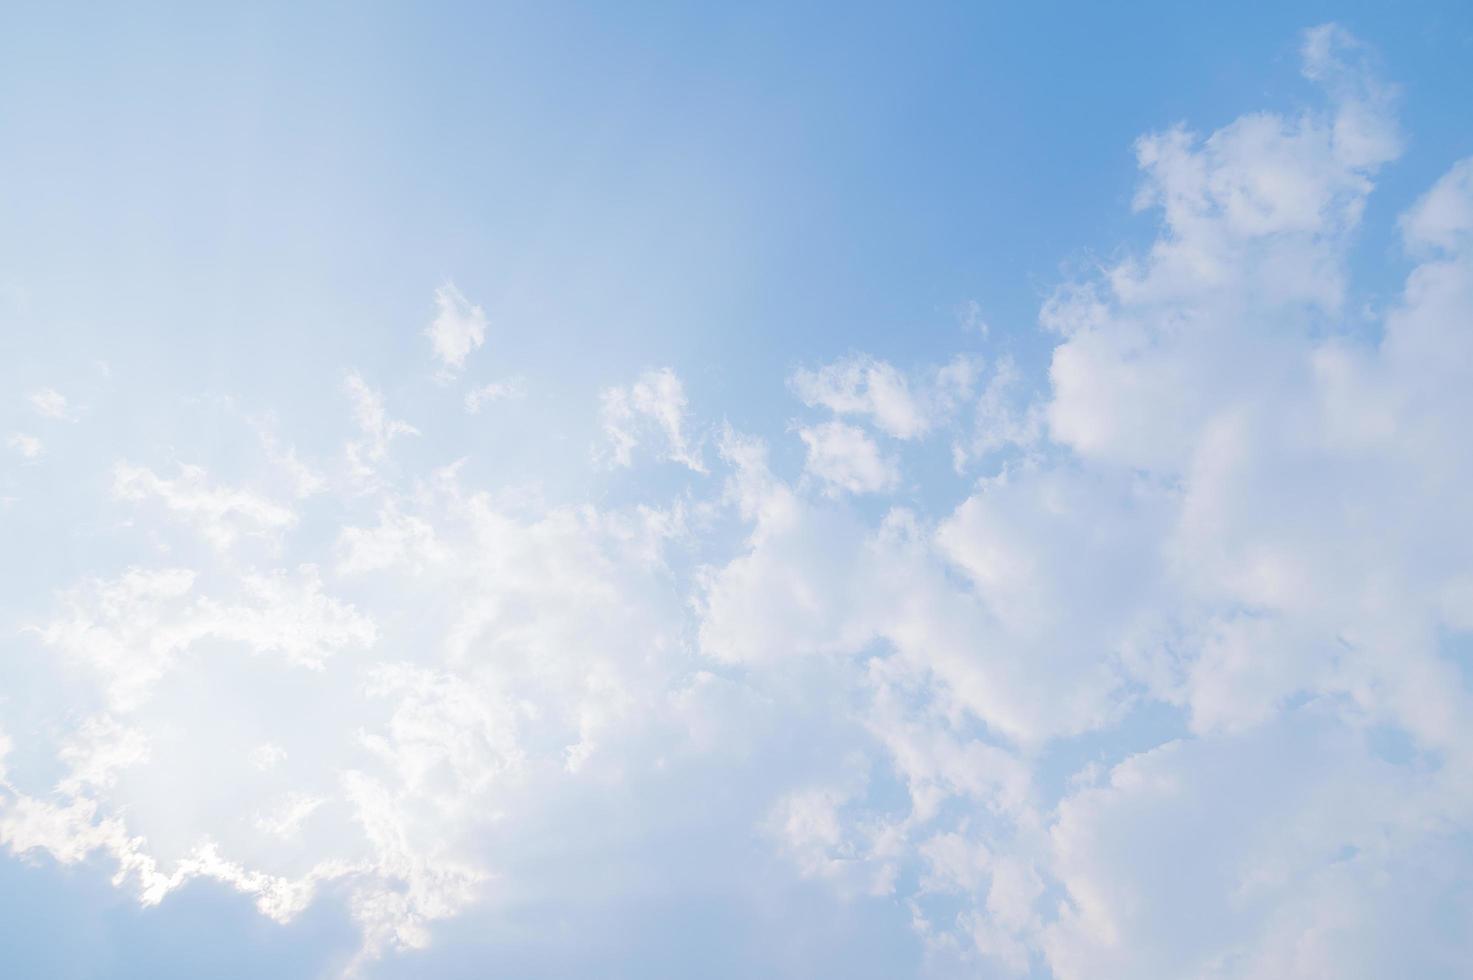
(29, 447)
(366, 454)
(495, 391)
(459, 328)
(653, 407)
(221, 514)
(896, 404)
(51, 404)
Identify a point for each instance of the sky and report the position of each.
(656, 490)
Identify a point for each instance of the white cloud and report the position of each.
(1178, 688)
(50, 403)
(267, 756)
(1004, 417)
(130, 631)
(971, 318)
(220, 514)
(367, 454)
(1255, 222)
(495, 391)
(846, 460)
(1443, 217)
(1298, 822)
(97, 751)
(1230, 530)
(397, 538)
(655, 404)
(458, 329)
(898, 406)
(304, 480)
(287, 818)
(29, 447)
(812, 827)
(534, 649)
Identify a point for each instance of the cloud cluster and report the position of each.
(1173, 683)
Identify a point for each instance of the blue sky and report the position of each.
(653, 490)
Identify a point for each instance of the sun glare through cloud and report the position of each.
(542, 610)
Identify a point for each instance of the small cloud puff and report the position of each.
(28, 446)
(458, 329)
(50, 403)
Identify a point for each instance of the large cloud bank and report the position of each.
(1176, 685)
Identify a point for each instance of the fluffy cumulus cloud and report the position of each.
(1168, 678)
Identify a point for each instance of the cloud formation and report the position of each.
(50, 403)
(494, 391)
(899, 406)
(654, 406)
(1170, 679)
(459, 328)
(29, 447)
